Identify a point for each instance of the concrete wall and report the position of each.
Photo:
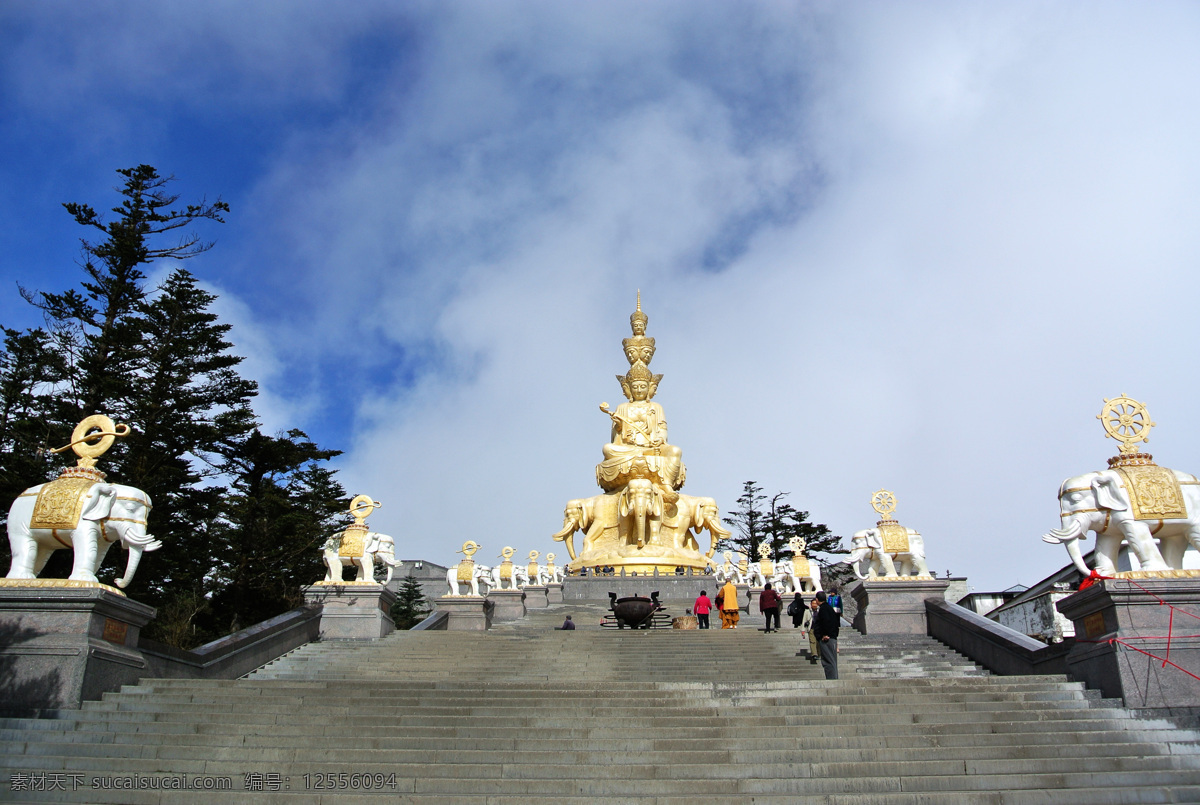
(430, 575)
(1039, 618)
(597, 588)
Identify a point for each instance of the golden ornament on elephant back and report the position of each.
(1126, 420)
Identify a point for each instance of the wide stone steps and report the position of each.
(525, 714)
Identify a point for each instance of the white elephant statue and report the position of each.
(731, 570)
(550, 574)
(480, 573)
(520, 578)
(866, 547)
(377, 549)
(789, 582)
(1099, 502)
(108, 513)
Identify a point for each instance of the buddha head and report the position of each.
(639, 378)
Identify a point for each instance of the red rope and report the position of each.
(1093, 577)
(1148, 654)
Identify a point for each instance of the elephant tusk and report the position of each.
(1058, 536)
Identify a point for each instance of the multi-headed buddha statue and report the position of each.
(641, 522)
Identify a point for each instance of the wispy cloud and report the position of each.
(888, 246)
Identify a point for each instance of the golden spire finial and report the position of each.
(1126, 420)
(639, 299)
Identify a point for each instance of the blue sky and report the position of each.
(908, 246)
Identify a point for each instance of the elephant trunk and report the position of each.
(856, 556)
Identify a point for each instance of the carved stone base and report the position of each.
(536, 597)
(510, 604)
(752, 595)
(62, 646)
(894, 607)
(1115, 609)
(468, 613)
(554, 593)
(353, 611)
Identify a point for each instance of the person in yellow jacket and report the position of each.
(727, 601)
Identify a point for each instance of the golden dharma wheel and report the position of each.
(883, 502)
(1126, 420)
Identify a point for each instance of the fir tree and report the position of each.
(241, 515)
(776, 523)
(749, 520)
(411, 606)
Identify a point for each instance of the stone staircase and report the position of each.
(527, 714)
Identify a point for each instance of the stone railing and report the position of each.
(999, 649)
(237, 654)
(437, 621)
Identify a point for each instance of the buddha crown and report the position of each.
(639, 371)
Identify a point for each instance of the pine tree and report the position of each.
(776, 523)
(411, 606)
(749, 520)
(241, 515)
(280, 508)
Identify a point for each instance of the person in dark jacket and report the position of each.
(568, 625)
(768, 604)
(825, 627)
(796, 611)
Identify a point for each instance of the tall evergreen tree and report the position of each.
(411, 606)
(240, 515)
(760, 518)
(749, 521)
(280, 508)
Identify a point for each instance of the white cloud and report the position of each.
(998, 240)
(881, 246)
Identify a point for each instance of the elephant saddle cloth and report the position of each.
(60, 502)
(1154, 492)
(353, 541)
(466, 570)
(800, 566)
(895, 537)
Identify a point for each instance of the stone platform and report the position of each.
(352, 610)
(61, 646)
(1119, 623)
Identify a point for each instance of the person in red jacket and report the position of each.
(768, 604)
(702, 607)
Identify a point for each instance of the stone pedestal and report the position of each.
(753, 594)
(1113, 610)
(61, 646)
(536, 597)
(510, 604)
(554, 593)
(894, 607)
(468, 613)
(353, 611)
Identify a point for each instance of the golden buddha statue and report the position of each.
(641, 522)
